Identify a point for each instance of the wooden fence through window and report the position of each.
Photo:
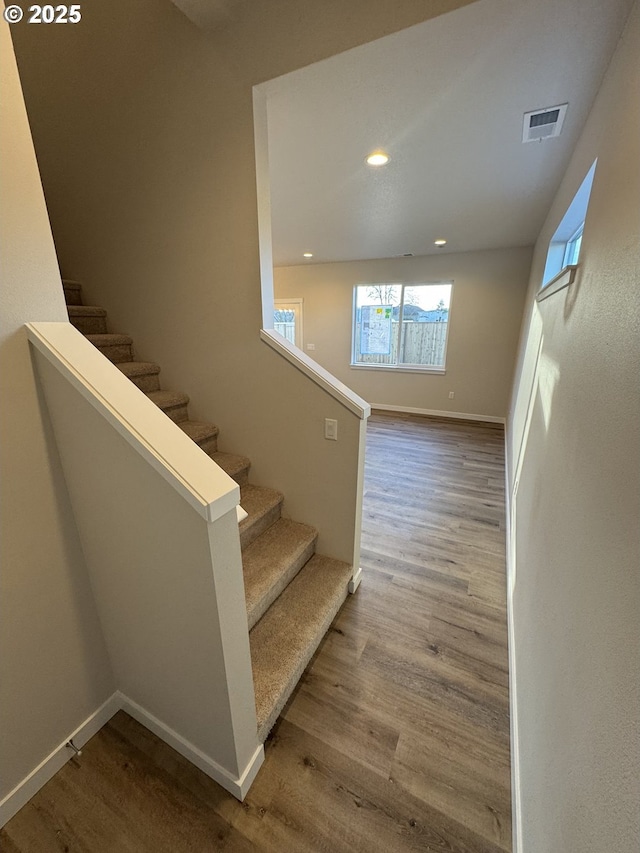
(422, 343)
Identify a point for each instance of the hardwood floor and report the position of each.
(397, 737)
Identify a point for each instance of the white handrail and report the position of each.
(137, 419)
(338, 390)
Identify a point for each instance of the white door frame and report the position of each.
(295, 305)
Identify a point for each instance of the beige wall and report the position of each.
(144, 135)
(144, 131)
(486, 314)
(54, 671)
(575, 580)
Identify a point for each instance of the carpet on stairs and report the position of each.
(292, 593)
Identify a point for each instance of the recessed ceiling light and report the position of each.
(440, 243)
(378, 158)
(308, 255)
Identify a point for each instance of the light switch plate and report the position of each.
(331, 429)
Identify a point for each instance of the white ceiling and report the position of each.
(446, 100)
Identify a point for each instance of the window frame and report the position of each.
(562, 259)
(574, 242)
(403, 367)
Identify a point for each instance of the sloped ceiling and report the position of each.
(445, 99)
(206, 14)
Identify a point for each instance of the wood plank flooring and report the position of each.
(397, 738)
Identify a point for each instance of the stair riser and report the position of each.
(209, 445)
(242, 477)
(72, 295)
(176, 413)
(249, 534)
(237, 467)
(90, 325)
(266, 727)
(146, 382)
(262, 606)
(117, 353)
(285, 639)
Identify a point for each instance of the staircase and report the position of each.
(292, 594)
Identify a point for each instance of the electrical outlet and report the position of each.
(331, 429)
(452, 394)
(311, 346)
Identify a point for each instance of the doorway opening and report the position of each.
(287, 320)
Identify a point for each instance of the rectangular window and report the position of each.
(564, 246)
(401, 325)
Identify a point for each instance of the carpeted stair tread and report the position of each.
(173, 403)
(235, 466)
(117, 348)
(86, 311)
(204, 434)
(88, 319)
(109, 340)
(285, 639)
(199, 430)
(138, 368)
(263, 508)
(272, 561)
(143, 374)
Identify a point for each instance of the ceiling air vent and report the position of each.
(543, 124)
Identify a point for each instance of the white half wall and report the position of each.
(168, 581)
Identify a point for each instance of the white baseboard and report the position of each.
(46, 770)
(238, 786)
(516, 792)
(40, 775)
(436, 413)
(354, 583)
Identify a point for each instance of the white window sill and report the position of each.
(403, 368)
(558, 282)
